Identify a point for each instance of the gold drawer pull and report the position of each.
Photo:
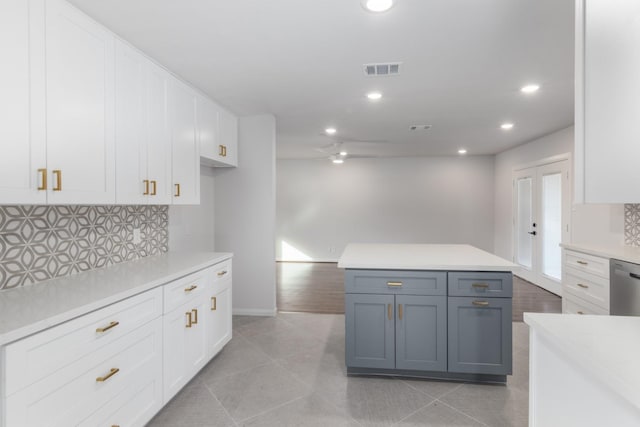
(190, 288)
(582, 262)
(146, 187)
(189, 319)
(222, 273)
(221, 151)
(111, 373)
(580, 312)
(58, 174)
(394, 283)
(43, 173)
(154, 187)
(400, 311)
(583, 286)
(481, 303)
(389, 313)
(106, 328)
(195, 316)
(214, 303)
(480, 285)
(177, 190)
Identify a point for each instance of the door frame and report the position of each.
(566, 236)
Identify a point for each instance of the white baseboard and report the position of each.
(255, 312)
(334, 260)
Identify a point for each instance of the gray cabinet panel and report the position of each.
(370, 335)
(396, 282)
(481, 284)
(479, 335)
(421, 333)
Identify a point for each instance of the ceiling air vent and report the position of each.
(385, 69)
(419, 127)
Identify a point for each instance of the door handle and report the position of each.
(533, 233)
(400, 311)
(177, 194)
(154, 185)
(43, 172)
(58, 175)
(635, 276)
(146, 187)
(389, 312)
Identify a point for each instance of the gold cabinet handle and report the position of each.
(582, 262)
(106, 328)
(389, 312)
(580, 312)
(195, 316)
(224, 151)
(177, 190)
(214, 303)
(154, 185)
(189, 319)
(43, 173)
(58, 176)
(221, 150)
(394, 283)
(190, 288)
(480, 285)
(583, 286)
(480, 303)
(400, 311)
(146, 187)
(111, 373)
(222, 273)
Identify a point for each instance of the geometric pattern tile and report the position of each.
(631, 224)
(43, 242)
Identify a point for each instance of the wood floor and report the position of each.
(319, 288)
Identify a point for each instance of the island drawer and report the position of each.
(480, 284)
(397, 282)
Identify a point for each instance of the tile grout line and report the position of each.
(416, 411)
(462, 412)
(266, 411)
(221, 405)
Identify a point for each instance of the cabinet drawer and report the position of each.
(396, 282)
(489, 284)
(34, 358)
(587, 263)
(593, 289)
(73, 393)
(183, 290)
(221, 271)
(574, 305)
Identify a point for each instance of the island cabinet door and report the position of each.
(421, 333)
(480, 335)
(370, 340)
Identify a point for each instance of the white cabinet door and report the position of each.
(228, 124)
(219, 317)
(22, 114)
(185, 150)
(210, 152)
(80, 107)
(158, 134)
(132, 185)
(607, 84)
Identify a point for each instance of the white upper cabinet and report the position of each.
(185, 146)
(607, 102)
(22, 115)
(143, 133)
(80, 107)
(218, 134)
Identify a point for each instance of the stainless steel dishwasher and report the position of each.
(624, 290)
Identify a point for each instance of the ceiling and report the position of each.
(463, 63)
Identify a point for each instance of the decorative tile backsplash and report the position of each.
(42, 242)
(632, 225)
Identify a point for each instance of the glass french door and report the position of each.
(541, 213)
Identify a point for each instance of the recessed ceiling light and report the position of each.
(530, 88)
(343, 153)
(506, 126)
(330, 131)
(374, 96)
(377, 5)
(462, 151)
(337, 161)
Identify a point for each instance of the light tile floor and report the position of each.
(289, 371)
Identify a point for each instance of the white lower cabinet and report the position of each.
(118, 365)
(585, 283)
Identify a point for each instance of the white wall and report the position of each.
(191, 228)
(590, 223)
(245, 216)
(321, 207)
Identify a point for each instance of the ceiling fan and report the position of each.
(337, 152)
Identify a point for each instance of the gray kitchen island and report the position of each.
(430, 311)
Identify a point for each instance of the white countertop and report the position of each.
(33, 308)
(606, 347)
(621, 252)
(421, 257)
